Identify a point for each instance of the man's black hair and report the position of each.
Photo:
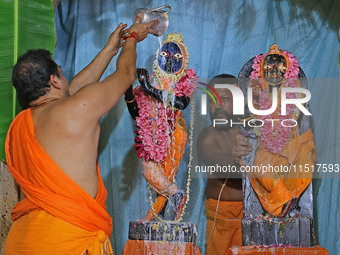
(223, 79)
(31, 74)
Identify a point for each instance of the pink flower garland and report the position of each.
(275, 136)
(256, 73)
(152, 143)
(187, 85)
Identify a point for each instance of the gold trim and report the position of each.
(129, 102)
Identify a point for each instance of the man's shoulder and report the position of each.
(207, 135)
(67, 108)
(58, 115)
(22, 113)
(20, 118)
(210, 130)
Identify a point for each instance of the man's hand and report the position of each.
(116, 39)
(241, 147)
(142, 30)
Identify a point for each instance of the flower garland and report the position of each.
(274, 136)
(191, 142)
(154, 132)
(187, 85)
(256, 73)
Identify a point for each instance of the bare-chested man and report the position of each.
(222, 145)
(52, 149)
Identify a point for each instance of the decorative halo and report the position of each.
(159, 73)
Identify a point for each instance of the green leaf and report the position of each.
(24, 25)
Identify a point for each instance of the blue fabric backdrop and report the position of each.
(221, 37)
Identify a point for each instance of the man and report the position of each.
(51, 149)
(223, 145)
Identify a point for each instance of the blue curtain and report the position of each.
(221, 37)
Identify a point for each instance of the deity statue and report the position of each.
(161, 133)
(281, 141)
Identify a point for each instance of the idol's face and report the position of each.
(274, 69)
(170, 58)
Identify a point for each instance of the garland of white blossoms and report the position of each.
(152, 203)
(191, 134)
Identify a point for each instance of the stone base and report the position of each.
(276, 231)
(163, 231)
(253, 250)
(141, 247)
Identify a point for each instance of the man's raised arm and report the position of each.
(96, 68)
(93, 101)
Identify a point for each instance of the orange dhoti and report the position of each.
(275, 188)
(160, 176)
(57, 216)
(41, 233)
(227, 230)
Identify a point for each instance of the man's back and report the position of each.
(69, 143)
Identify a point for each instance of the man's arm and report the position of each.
(210, 151)
(96, 68)
(93, 101)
